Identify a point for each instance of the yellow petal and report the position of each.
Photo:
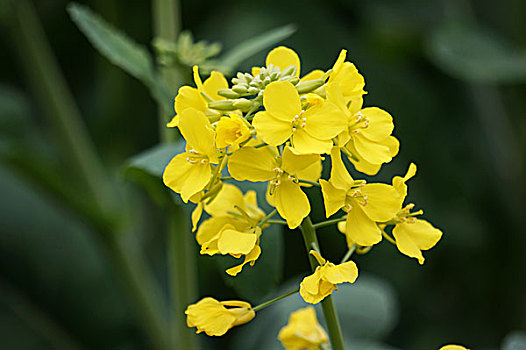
(325, 121)
(306, 144)
(228, 197)
(185, 178)
(196, 130)
(311, 172)
(210, 228)
(231, 130)
(399, 182)
(270, 129)
(311, 284)
(294, 163)
(371, 151)
(283, 57)
(380, 124)
(313, 75)
(335, 96)
(281, 99)
(340, 177)
(346, 272)
(333, 198)
(303, 331)
(197, 78)
(196, 215)
(249, 258)
(361, 229)
(252, 164)
(317, 256)
(453, 347)
(174, 122)
(215, 82)
(290, 201)
(412, 238)
(234, 242)
(361, 164)
(189, 97)
(383, 201)
(210, 316)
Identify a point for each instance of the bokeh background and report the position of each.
(452, 74)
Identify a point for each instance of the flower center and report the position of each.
(194, 157)
(298, 121)
(359, 122)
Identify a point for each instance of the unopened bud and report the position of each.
(290, 70)
(304, 87)
(223, 105)
(240, 89)
(227, 93)
(242, 103)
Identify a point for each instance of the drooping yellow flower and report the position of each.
(453, 347)
(233, 228)
(367, 136)
(310, 127)
(231, 131)
(188, 173)
(215, 318)
(350, 81)
(281, 57)
(303, 331)
(412, 235)
(189, 97)
(283, 173)
(365, 204)
(326, 277)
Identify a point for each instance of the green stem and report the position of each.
(328, 222)
(272, 301)
(313, 183)
(166, 26)
(347, 255)
(280, 222)
(182, 276)
(227, 178)
(329, 311)
(386, 236)
(268, 217)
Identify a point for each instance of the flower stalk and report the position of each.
(329, 311)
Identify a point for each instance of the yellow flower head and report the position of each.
(365, 204)
(310, 127)
(324, 280)
(350, 81)
(283, 173)
(281, 57)
(303, 331)
(367, 137)
(189, 97)
(232, 229)
(412, 235)
(189, 173)
(453, 347)
(215, 318)
(231, 131)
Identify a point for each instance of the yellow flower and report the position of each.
(232, 229)
(324, 280)
(412, 235)
(303, 331)
(188, 173)
(215, 318)
(231, 131)
(281, 57)
(453, 347)
(365, 204)
(283, 172)
(368, 134)
(189, 97)
(350, 82)
(310, 128)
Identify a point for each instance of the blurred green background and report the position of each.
(452, 74)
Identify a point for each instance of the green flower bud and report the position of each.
(304, 87)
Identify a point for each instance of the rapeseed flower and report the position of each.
(326, 277)
(215, 318)
(303, 331)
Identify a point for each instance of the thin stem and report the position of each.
(267, 218)
(278, 298)
(329, 311)
(347, 255)
(280, 222)
(386, 236)
(227, 178)
(313, 183)
(328, 222)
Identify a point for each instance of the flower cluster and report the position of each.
(275, 126)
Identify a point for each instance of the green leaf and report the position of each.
(367, 310)
(255, 282)
(146, 169)
(475, 54)
(250, 47)
(120, 50)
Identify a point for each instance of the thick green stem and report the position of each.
(166, 26)
(182, 276)
(329, 311)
